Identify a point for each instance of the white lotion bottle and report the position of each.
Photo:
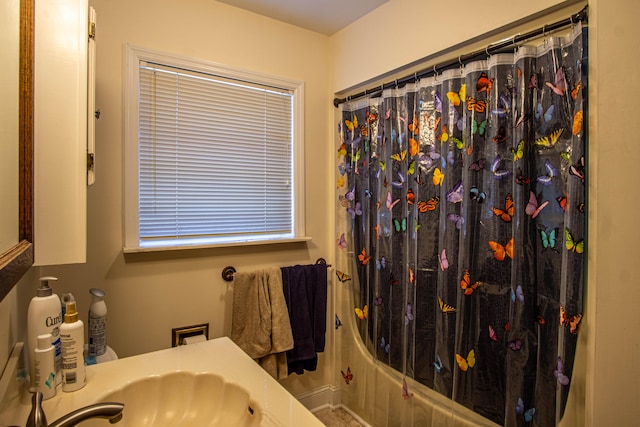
(45, 367)
(44, 316)
(97, 323)
(72, 341)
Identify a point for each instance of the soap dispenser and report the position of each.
(44, 316)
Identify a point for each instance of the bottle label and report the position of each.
(70, 378)
(52, 321)
(72, 341)
(55, 341)
(97, 335)
(58, 352)
(69, 358)
(44, 378)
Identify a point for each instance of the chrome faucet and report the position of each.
(109, 410)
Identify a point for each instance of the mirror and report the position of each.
(16, 255)
(9, 85)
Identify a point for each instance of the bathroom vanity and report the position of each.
(211, 374)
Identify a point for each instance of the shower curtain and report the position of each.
(461, 204)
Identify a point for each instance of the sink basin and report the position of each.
(183, 399)
(211, 383)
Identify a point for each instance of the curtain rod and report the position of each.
(469, 57)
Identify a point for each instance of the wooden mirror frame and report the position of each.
(17, 260)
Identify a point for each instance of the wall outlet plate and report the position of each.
(179, 334)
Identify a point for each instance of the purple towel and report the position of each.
(305, 291)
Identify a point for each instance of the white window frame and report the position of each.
(133, 56)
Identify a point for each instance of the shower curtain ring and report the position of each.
(460, 62)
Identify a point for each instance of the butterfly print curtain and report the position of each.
(463, 203)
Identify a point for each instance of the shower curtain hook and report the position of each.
(486, 50)
(460, 62)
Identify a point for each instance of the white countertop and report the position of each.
(220, 356)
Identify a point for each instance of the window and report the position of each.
(213, 155)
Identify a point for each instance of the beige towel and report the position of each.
(260, 320)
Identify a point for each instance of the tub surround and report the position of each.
(219, 356)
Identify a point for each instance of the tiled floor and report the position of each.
(337, 417)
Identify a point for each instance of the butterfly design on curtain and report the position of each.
(466, 363)
(572, 244)
(405, 390)
(548, 238)
(343, 277)
(573, 322)
(559, 373)
(528, 414)
(466, 285)
(533, 209)
(509, 209)
(385, 345)
(348, 376)
(362, 313)
(500, 251)
(446, 308)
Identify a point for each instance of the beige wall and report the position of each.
(402, 32)
(613, 291)
(148, 295)
(609, 346)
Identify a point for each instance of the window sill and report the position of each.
(132, 250)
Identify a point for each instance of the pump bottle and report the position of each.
(72, 341)
(44, 316)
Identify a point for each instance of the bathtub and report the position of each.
(375, 393)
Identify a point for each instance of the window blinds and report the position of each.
(215, 158)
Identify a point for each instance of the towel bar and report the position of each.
(229, 271)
